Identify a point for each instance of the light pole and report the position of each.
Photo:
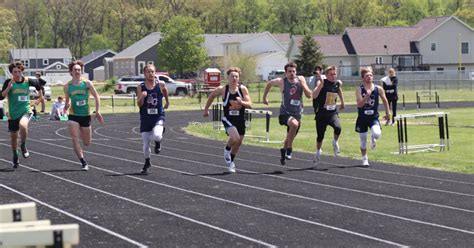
(36, 49)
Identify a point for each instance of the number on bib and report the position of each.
(234, 112)
(81, 103)
(295, 102)
(152, 111)
(369, 112)
(22, 98)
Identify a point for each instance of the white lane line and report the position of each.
(296, 180)
(267, 190)
(306, 160)
(136, 202)
(284, 193)
(202, 195)
(74, 216)
(312, 171)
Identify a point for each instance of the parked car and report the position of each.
(276, 74)
(129, 85)
(34, 93)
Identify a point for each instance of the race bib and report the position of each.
(369, 112)
(81, 103)
(295, 102)
(234, 112)
(330, 103)
(390, 91)
(23, 98)
(152, 111)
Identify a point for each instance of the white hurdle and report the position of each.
(19, 227)
(268, 115)
(18, 212)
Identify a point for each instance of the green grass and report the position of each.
(459, 158)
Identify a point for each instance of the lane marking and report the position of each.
(72, 215)
(199, 194)
(279, 166)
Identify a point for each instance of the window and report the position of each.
(465, 47)
(45, 62)
(433, 46)
(462, 69)
(25, 63)
(440, 70)
(378, 60)
(58, 67)
(67, 61)
(151, 62)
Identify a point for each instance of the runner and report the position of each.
(235, 99)
(292, 88)
(326, 113)
(16, 90)
(76, 94)
(390, 83)
(367, 96)
(152, 114)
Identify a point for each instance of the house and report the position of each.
(45, 60)
(94, 60)
(435, 43)
(133, 59)
(267, 50)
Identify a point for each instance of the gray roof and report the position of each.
(381, 40)
(330, 45)
(42, 53)
(140, 46)
(95, 54)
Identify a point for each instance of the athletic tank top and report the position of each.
(233, 113)
(79, 95)
(152, 109)
(370, 109)
(18, 99)
(326, 101)
(291, 97)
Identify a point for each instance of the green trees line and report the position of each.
(87, 25)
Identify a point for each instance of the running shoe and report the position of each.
(24, 151)
(283, 155)
(231, 167)
(373, 144)
(227, 157)
(157, 147)
(317, 155)
(85, 166)
(365, 161)
(335, 148)
(288, 153)
(15, 163)
(145, 167)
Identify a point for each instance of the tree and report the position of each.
(310, 55)
(181, 46)
(246, 63)
(6, 40)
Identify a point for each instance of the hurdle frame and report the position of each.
(217, 113)
(443, 127)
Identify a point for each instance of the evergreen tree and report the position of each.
(309, 57)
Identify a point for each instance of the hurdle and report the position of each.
(18, 212)
(427, 94)
(217, 110)
(404, 148)
(64, 236)
(19, 227)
